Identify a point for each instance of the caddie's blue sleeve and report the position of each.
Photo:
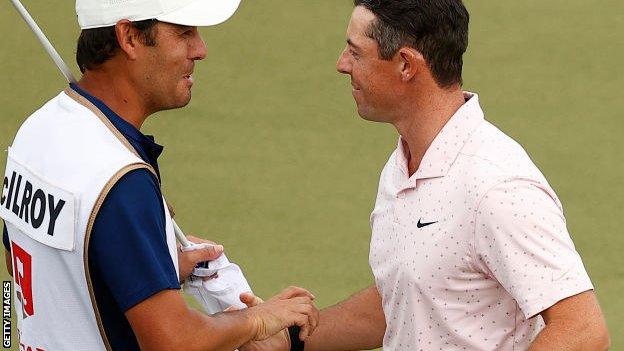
(128, 252)
(5, 238)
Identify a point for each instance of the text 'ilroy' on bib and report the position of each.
(43, 211)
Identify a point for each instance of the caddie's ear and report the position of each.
(411, 63)
(128, 38)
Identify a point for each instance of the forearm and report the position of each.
(165, 322)
(354, 324)
(558, 336)
(181, 328)
(223, 331)
(575, 323)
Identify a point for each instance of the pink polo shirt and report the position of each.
(471, 248)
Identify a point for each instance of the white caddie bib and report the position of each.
(64, 160)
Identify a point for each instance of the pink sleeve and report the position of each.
(521, 240)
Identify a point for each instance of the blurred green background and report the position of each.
(271, 159)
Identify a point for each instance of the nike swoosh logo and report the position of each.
(420, 224)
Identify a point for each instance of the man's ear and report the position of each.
(128, 38)
(411, 63)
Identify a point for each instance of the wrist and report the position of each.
(256, 326)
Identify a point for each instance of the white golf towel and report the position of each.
(217, 293)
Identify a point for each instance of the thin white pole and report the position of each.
(180, 235)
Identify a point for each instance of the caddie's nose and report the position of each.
(198, 48)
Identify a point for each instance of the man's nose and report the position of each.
(343, 65)
(199, 49)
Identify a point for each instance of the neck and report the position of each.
(118, 93)
(423, 118)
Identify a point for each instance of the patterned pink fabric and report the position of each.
(469, 250)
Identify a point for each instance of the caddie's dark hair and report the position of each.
(438, 29)
(98, 45)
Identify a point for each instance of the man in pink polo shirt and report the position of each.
(469, 246)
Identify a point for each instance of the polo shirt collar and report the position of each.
(445, 148)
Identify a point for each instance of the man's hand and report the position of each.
(189, 259)
(277, 342)
(293, 306)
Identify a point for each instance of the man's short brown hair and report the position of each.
(438, 29)
(98, 45)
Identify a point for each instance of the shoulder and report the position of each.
(54, 110)
(514, 195)
(64, 137)
(496, 149)
(62, 119)
(491, 158)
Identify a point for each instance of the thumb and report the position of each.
(212, 252)
(207, 252)
(250, 299)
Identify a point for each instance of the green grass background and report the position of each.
(271, 160)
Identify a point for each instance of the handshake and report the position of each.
(222, 289)
(292, 307)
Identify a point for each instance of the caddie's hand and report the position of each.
(293, 306)
(189, 259)
(277, 342)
